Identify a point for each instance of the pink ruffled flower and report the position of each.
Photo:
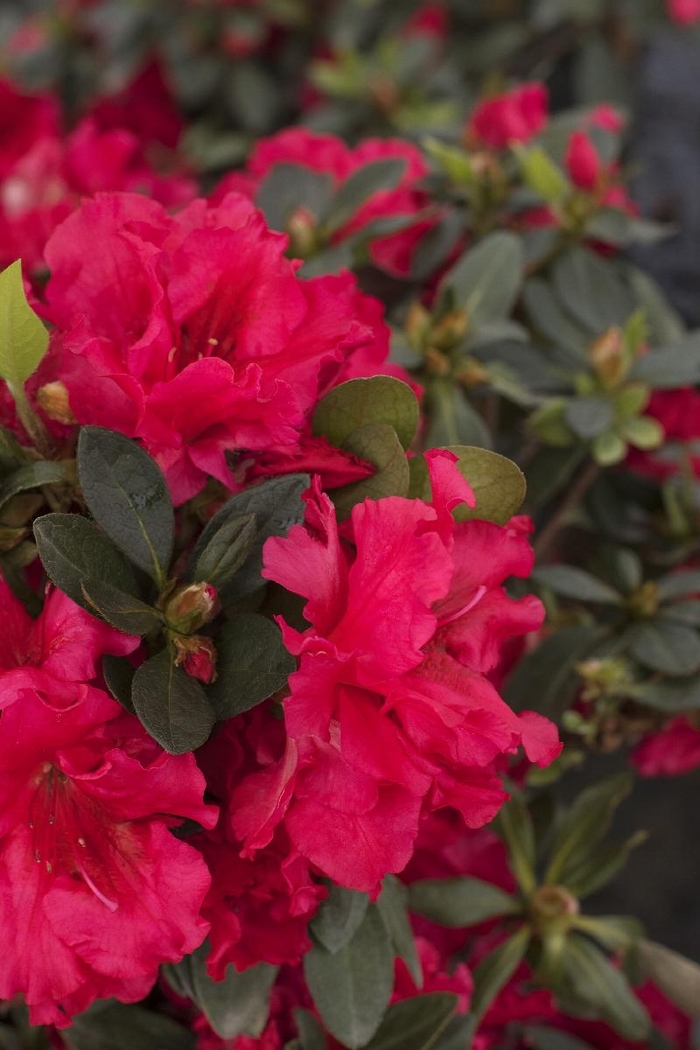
(684, 12)
(329, 155)
(194, 334)
(672, 751)
(390, 712)
(515, 116)
(95, 891)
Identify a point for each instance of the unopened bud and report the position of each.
(303, 236)
(450, 331)
(608, 358)
(196, 655)
(436, 364)
(552, 909)
(191, 606)
(53, 399)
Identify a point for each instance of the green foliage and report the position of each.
(252, 664)
(23, 338)
(461, 901)
(172, 706)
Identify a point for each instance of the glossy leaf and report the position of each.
(171, 705)
(225, 552)
(109, 1025)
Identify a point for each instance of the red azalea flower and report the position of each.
(684, 12)
(194, 334)
(515, 116)
(390, 711)
(672, 751)
(582, 162)
(329, 155)
(95, 891)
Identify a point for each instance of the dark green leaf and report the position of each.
(666, 324)
(252, 664)
(378, 444)
(682, 612)
(460, 901)
(74, 550)
(669, 368)
(436, 246)
(545, 679)
(589, 416)
(330, 260)
(351, 988)
(109, 1025)
(31, 476)
(676, 976)
(277, 505)
(452, 419)
(678, 584)
(597, 985)
(584, 825)
(286, 187)
(393, 908)
(311, 1034)
(551, 321)
(171, 705)
(360, 186)
(121, 610)
(415, 1024)
(615, 933)
(237, 1005)
(514, 825)
(23, 338)
(674, 697)
(672, 648)
(127, 495)
(338, 917)
(225, 552)
(600, 867)
(119, 675)
(553, 1039)
(573, 582)
(359, 402)
(486, 280)
(592, 290)
(496, 969)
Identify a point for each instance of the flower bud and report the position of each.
(582, 162)
(607, 355)
(191, 606)
(53, 399)
(196, 655)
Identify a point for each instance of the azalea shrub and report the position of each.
(348, 510)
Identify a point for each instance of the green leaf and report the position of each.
(674, 697)
(643, 432)
(598, 986)
(599, 868)
(592, 290)
(338, 917)
(486, 280)
(661, 645)
(311, 1034)
(237, 1005)
(73, 550)
(573, 582)
(514, 824)
(128, 497)
(23, 338)
(669, 368)
(252, 664)
(553, 323)
(351, 988)
(109, 1025)
(393, 908)
(359, 187)
(453, 420)
(498, 484)
(676, 976)
(378, 444)
(615, 933)
(677, 584)
(360, 402)
(608, 449)
(277, 505)
(584, 825)
(31, 476)
(588, 416)
(286, 187)
(171, 705)
(496, 969)
(225, 552)
(121, 610)
(416, 1023)
(119, 674)
(542, 175)
(460, 901)
(545, 679)
(455, 162)
(553, 1039)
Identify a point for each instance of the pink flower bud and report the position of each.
(196, 655)
(191, 606)
(582, 161)
(516, 116)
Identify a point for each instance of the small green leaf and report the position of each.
(31, 476)
(542, 175)
(661, 645)
(287, 187)
(416, 1023)
(73, 550)
(608, 449)
(119, 674)
(171, 705)
(496, 969)
(128, 497)
(378, 444)
(573, 582)
(351, 988)
(669, 368)
(277, 505)
(592, 290)
(338, 917)
(674, 696)
(252, 664)
(225, 552)
(109, 1025)
(598, 986)
(453, 420)
(486, 279)
(643, 432)
(588, 416)
(676, 976)
(460, 901)
(311, 1034)
(359, 187)
(23, 338)
(393, 908)
(584, 825)
(455, 162)
(359, 402)
(514, 824)
(498, 485)
(600, 867)
(120, 610)
(615, 933)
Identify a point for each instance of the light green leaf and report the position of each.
(23, 338)
(359, 402)
(460, 901)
